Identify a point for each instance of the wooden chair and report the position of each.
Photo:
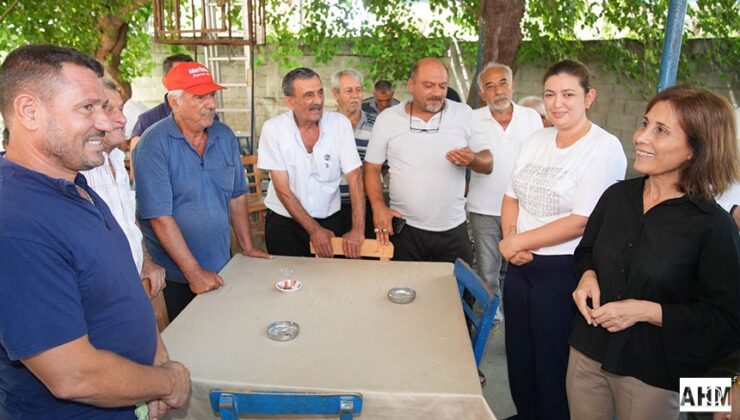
(255, 199)
(467, 279)
(370, 248)
(231, 403)
(158, 305)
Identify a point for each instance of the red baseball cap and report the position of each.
(193, 78)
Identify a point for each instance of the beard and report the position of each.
(433, 104)
(70, 153)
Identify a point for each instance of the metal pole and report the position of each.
(672, 44)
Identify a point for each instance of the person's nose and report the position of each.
(210, 102)
(118, 117)
(103, 121)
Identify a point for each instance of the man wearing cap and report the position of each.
(190, 185)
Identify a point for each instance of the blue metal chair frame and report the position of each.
(467, 279)
(230, 403)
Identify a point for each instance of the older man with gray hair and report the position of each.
(506, 127)
(307, 150)
(190, 184)
(347, 89)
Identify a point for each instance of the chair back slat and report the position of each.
(230, 403)
(369, 248)
(468, 280)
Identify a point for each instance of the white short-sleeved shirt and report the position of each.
(487, 191)
(117, 194)
(730, 197)
(552, 183)
(426, 188)
(313, 177)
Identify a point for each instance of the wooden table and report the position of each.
(410, 361)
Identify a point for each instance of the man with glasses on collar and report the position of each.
(428, 142)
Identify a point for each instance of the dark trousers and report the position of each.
(414, 244)
(177, 296)
(285, 236)
(346, 217)
(538, 313)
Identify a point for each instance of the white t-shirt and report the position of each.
(313, 177)
(551, 183)
(117, 194)
(426, 188)
(487, 191)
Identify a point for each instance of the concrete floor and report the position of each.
(493, 364)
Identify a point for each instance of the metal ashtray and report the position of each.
(401, 295)
(283, 330)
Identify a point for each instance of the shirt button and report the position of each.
(629, 244)
(619, 297)
(621, 270)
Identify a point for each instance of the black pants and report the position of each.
(414, 244)
(539, 314)
(285, 236)
(346, 215)
(177, 296)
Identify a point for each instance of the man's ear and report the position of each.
(27, 111)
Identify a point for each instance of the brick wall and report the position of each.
(618, 107)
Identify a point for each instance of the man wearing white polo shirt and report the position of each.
(428, 142)
(507, 127)
(306, 151)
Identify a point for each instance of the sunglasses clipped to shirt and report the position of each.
(423, 130)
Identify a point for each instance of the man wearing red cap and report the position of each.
(190, 184)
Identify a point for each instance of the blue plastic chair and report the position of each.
(467, 279)
(231, 403)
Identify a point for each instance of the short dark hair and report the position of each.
(709, 123)
(37, 68)
(170, 61)
(383, 86)
(6, 138)
(573, 68)
(302, 73)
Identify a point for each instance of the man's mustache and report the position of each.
(315, 107)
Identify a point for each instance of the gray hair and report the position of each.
(176, 94)
(302, 73)
(345, 72)
(534, 102)
(494, 65)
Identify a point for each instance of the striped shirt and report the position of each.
(362, 137)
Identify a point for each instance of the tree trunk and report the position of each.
(114, 32)
(113, 29)
(499, 38)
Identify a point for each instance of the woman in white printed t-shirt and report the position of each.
(559, 176)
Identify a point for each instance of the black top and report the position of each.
(683, 254)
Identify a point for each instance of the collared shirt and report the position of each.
(363, 130)
(173, 180)
(65, 272)
(551, 182)
(313, 177)
(683, 254)
(425, 187)
(486, 191)
(148, 118)
(370, 106)
(115, 190)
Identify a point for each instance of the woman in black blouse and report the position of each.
(659, 262)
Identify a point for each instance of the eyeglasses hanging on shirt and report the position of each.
(423, 130)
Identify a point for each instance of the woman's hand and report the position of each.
(588, 287)
(521, 258)
(508, 247)
(620, 315)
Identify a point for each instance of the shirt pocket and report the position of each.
(326, 168)
(223, 177)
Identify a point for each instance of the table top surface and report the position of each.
(352, 338)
